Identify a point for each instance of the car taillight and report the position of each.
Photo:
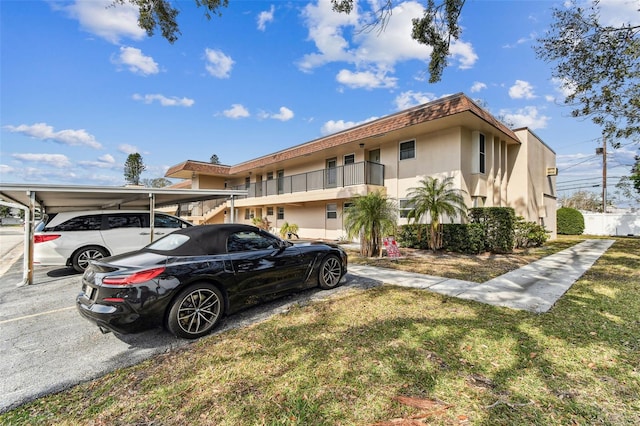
(44, 238)
(136, 278)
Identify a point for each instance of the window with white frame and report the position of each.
(481, 153)
(280, 213)
(332, 211)
(269, 211)
(407, 150)
(404, 207)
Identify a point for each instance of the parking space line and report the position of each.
(37, 315)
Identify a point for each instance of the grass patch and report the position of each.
(376, 356)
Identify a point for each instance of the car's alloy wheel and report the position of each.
(330, 272)
(195, 311)
(82, 258)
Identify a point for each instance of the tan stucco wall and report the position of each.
(531, 192)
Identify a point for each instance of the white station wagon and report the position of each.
(75, 238)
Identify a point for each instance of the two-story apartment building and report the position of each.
(310, 184)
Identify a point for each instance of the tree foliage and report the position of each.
(214, 159)
(155, 182)
(599, 66)
(154, 14)
(437, 199)
(582, 200)
(133, 168)
(369, 218)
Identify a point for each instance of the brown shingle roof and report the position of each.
(440, 108)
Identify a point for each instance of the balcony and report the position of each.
(363, 173)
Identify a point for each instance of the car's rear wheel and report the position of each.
(80, 260)
(195, 311)
(330, 272)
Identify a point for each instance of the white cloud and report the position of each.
(163, 100)
(102, 19)
(334, 126)
(265, 17)
(521, 90)
(103, 162)
(236, 111)
(478, 86)
(218, 64)
(70, 137)
(619, 12)
(410, 98)
(373, 53)
(285, 114)
(136, 61)
(526, 117)
(128, 149)
(365, 80)
(55, 160)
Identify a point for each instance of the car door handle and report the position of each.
(158, 233)
(145, 233)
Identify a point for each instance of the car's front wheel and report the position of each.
(195, 311)
(80, 260)
(330, 273)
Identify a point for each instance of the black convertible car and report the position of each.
(188, 280)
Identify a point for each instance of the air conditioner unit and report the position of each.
(552, 171)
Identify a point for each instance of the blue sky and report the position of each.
(82, 86)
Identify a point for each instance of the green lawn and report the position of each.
(393, 356)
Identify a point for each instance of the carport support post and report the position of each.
(29, 219)
(233, 209)
(152, 214)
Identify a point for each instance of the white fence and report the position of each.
(625, 224)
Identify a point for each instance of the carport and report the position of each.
(54, 199)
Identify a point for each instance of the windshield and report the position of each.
(169, 243)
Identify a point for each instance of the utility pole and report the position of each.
(604, 174)
(603, 151)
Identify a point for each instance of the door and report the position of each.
(124, 232)
(331, 174)
(263, 267)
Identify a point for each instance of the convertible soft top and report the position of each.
(206, 239)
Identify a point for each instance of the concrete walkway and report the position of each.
(535, 287)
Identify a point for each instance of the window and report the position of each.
(247, 214)
(349, 159)
(164, 221)
(482, 153)
(124, 221)
(250, 241)
(407, 150)
(332, 211)
(269, 175)
(346, 206)
(280, 213)
(405, 207)
(269, 211)
(80, 223)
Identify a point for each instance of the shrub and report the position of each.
(414, 236)
(529, 234)
(463, 238)
(498, 224)
(569, 221)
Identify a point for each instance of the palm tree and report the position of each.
(370, 217)
(437, 198)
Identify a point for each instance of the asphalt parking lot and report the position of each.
(47, 347)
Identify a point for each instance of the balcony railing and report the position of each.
(363, 173)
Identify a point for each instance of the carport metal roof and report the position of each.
(76, 197)
(57, 198)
